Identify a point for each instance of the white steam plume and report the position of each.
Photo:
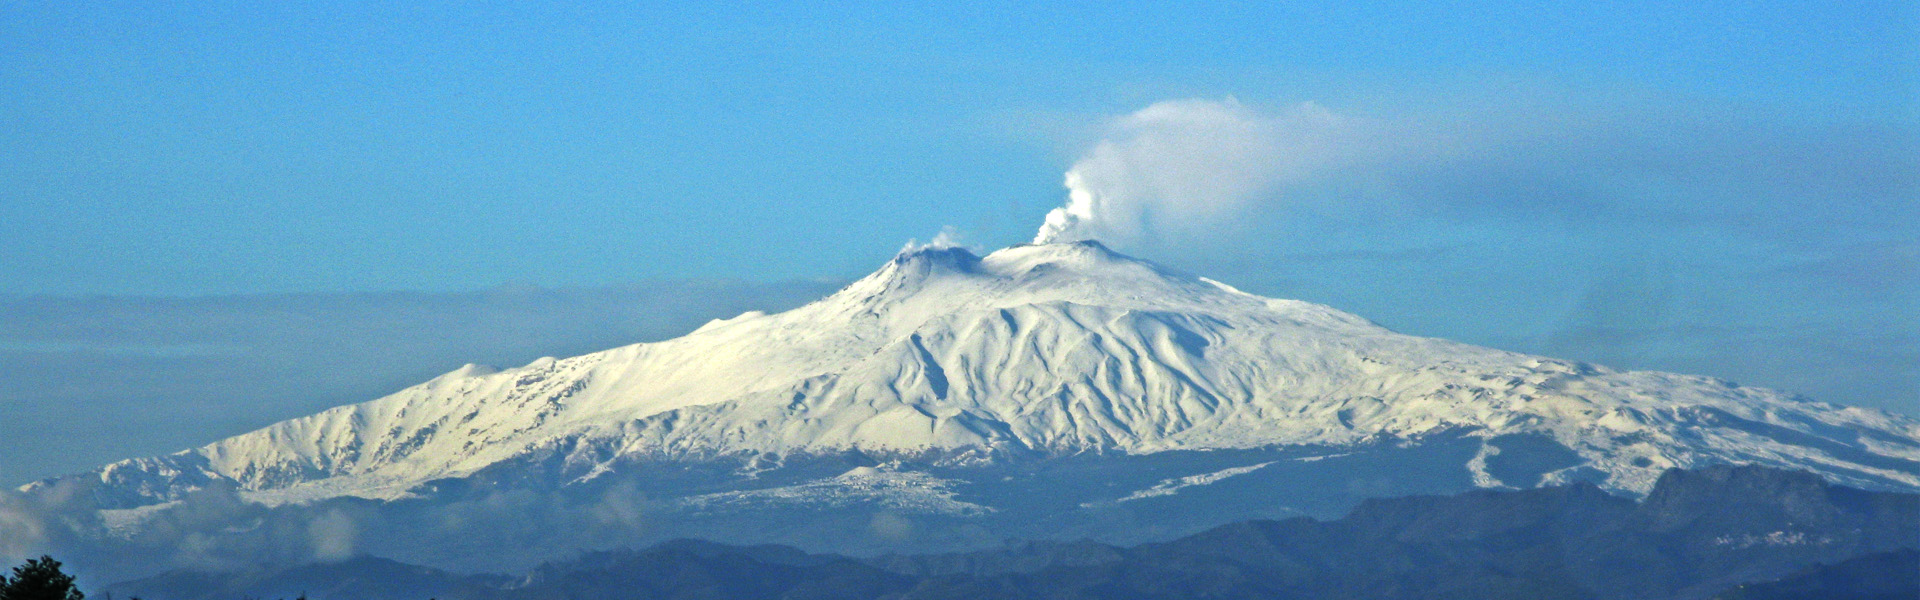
(947, 238)
(1187, 164)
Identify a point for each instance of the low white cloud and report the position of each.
(22, 531)
(334, 537)
(891, 527)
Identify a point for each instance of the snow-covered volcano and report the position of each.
(1035, 349)
(943, 367)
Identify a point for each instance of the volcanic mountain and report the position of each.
(1040, 390)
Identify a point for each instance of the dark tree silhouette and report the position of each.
(39, 579)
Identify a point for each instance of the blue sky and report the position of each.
(1726, 189)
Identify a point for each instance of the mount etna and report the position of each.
(947, 402)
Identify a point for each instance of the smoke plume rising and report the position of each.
(1184, 165)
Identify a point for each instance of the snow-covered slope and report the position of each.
(1033, 350)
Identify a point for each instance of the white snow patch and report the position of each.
(1774, 539)
(1170, 487)
(902, 491)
